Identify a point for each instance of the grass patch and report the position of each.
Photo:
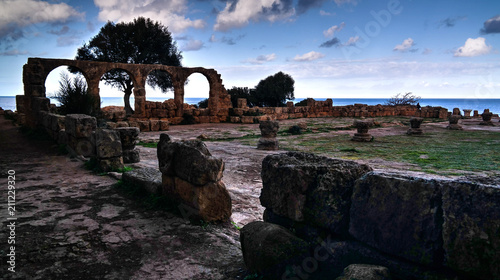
(148, 145)
(443, 152)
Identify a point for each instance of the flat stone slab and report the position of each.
(147, 178)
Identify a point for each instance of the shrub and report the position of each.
(203, 103)
(74, 97)
(405, 99)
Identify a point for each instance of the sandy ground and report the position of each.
(73, 224)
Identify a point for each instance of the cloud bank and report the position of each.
(473, 47)
(492, 25)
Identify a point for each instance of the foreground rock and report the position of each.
(269, 131)
(418, 228)
(148, 179)
(193, 178)
(309, 190)
(365, 272)
(270, 249)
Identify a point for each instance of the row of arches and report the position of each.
(197, 86)
(35, 74)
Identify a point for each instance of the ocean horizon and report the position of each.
(9, 102)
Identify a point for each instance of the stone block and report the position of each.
(108, 144)
(164, 125)
(268, 144)
(154, 125)
(40, 104)
(189, 160)
(270, 250)
(79, 125)
(62, 137)
(122, 124)
(398, 215)
(147, 178)
(128, 137)
(144, 125)
(311, 189)
(131, 156)
(110, 164)
(471, 230)
(210, 202)
(365, 272)
(81, 146)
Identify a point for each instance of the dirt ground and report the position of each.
(73, 224)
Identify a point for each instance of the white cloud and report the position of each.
(324, 13)
(21, 13)
(262, 58)
(192, 45)
(405, 46)
(169, 13)
(474, 47)
(331, 31)
(342, 2)
(310, 56)
(240, 13)
(352, 41)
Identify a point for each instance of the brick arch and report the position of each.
(37, 69)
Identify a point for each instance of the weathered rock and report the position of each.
(189, 160)
(108, 144)
(456, 111)
(131, 156)
(270, 249)
(192, 178)
(269, 129)
(415, 126)
(362, 127)
(81, 146)
(147, 178)
(312, 189)
(365, 272)
(210, 202)
(486, 116)
(110, 164)
(79, 125)
(453, 119)
(398, 215)
(471, 230)
(467, 113)
(128, 136)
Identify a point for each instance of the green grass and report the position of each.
(446, 151)
(148, 145)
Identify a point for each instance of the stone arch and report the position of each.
(132, 90)
(37, 69)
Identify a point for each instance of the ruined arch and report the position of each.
(37, 69)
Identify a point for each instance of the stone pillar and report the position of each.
(129, 136)
(179, 98)
(487, 115)
(453, 119)
(476, 114)
(467, 113)
(139, 102)
(415, 126)
(456, 111)
(197, 188)
(362, 127)
(289, 104)
(108, 150)
(93, 88)
(269, 131)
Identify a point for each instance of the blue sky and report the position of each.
(332, 48)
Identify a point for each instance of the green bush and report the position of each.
(74, 97)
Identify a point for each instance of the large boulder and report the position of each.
(399, 215)
(270, 249)
(189, 160)
(471, 229)
(147, 178)
(193, 177)
(365, 272)
(311, 189)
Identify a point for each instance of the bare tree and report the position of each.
(403, 99)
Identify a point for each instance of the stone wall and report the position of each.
(418, 228)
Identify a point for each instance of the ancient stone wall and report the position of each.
(418, 228)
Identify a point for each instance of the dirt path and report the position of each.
(72, 224)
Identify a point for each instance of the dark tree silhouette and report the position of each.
(403, 99)
(141, 41)
(275, 90)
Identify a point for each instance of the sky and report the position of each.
(331, 48)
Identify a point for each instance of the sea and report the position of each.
(9, 102)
